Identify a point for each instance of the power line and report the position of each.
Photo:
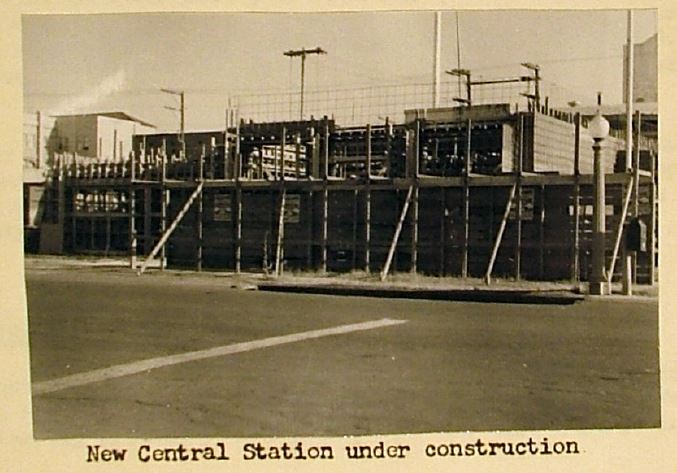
(402, 79)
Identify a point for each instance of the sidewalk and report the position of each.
(398, 285)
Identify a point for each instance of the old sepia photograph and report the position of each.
(328, 224)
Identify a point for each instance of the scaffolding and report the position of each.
(462, 191)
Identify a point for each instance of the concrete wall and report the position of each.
(553, 145)
(37, 155)
(76, 134)
(550, 144)
(95, 136)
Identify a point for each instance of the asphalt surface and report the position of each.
(453, 366)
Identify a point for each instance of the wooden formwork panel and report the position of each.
(218, 229)
(454, 230)
(558, 227)
(260, 212)
(550, 144)
(182, 245)
(341, 218)
(341, 229)
(544, 243)
(298, 238)
(360, 244)
(385, 212)
(486, 210)
(431, 225)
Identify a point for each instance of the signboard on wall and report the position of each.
(223, 210)
(292, 208)
(527, 201)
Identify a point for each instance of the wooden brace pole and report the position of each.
(499, 236)
(652, 222)
(518, 195)
(280, 235)
(443, 230)
(238, 226)
(367, 227)
(132, 212)
(325, 225)
(163, 240)
(414, 231)
(575, 262)
(396, 237)
(619, 232)
(163, 200)
(200, 212)
(147, 235)
(466, 200)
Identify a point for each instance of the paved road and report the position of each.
(451, 367)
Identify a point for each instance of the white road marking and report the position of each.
(136, 367)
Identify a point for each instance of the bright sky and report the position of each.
(88, 63)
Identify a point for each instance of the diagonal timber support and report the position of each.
(280, 235)
(619, 232)
(163, 240)
(396, 237)
(499, 236)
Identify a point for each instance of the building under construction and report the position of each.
(470, 191)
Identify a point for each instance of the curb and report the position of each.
(461, 295)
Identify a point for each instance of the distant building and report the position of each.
(103, 136)
(94, 136)
(645, 70)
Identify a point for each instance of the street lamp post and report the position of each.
(599, 129)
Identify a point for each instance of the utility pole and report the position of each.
(303, 53)
(630, 258)
(182, 112)
(436, 59)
